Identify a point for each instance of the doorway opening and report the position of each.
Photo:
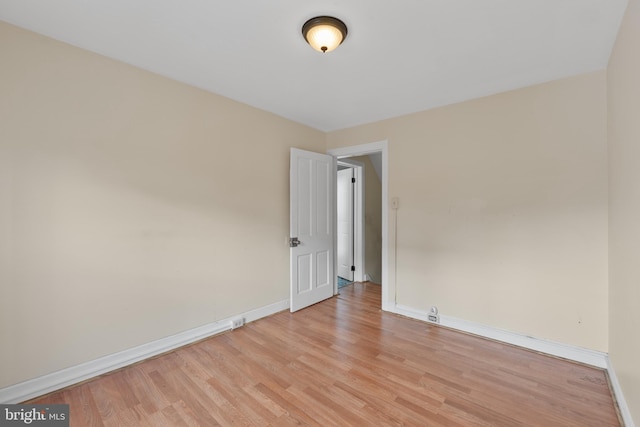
(367, 152)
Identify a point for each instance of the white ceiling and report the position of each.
(399, 57)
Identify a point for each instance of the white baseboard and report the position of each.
(570, 352)
(578, 354)
(56, 380)
(625, 413)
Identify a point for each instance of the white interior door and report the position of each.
(345, 224)
(312, 226)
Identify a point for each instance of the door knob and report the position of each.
(293, 242)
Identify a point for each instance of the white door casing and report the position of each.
(388, 241)
(345, 224)
(312, 217)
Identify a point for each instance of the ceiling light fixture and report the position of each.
(324, 33)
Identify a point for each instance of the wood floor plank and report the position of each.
(81, 398)
(345, 362)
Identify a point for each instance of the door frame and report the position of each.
(358, 219)
(388, 244)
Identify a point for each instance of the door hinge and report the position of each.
(353, 268)
(353, 180)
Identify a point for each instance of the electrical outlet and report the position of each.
(433, 315)
(237, 322)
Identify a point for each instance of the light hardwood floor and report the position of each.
(345, 362)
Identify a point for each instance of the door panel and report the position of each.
(324, 185)
(304, 273)
(322, 270)
(311, 205)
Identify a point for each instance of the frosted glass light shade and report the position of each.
(324, 33)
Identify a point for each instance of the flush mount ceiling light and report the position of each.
(324, 33)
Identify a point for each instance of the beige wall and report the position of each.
(503, 208)
(624, 225)
(372, 220)
(130, 206)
